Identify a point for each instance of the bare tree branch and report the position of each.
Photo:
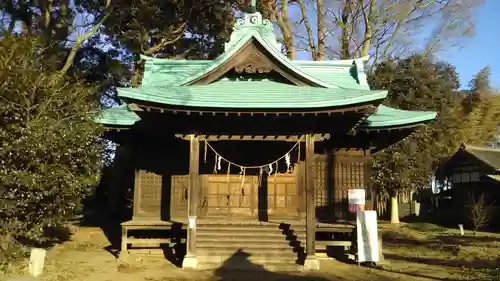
(82, 38)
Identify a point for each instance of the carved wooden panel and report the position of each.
(253, 58)
(147, 195)
(253, 64)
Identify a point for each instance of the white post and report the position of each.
(37, 260)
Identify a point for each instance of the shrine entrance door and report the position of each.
(283, 196)
(228, 196)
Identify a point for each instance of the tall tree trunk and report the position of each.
(321, 30)
(62, 27)
(345, 52)
(310, 34)
(394, 208)
(368, 34)
(284, 25)
(137, 72)
(47, 7)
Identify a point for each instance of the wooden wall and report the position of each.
(336, 172)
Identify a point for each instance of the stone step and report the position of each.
(241, 244)
(269, 227)
(248, 228)
(281, 267)
(257, 250)
(245, 233)
(263, 239)
(235, 256)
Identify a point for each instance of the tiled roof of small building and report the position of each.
(488, 155)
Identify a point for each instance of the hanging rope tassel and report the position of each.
(215, 163)
(276, 172)
(287, 160)
(298, 156)
(260, 176)
(206, 150)
(228, 171)
(219, 163)
(243, 180)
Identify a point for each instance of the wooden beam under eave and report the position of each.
(367, 108)
(115, 129)
(287, 138)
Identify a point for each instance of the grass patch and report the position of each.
(428, 245)
(425, 227)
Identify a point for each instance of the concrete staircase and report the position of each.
(263, 246)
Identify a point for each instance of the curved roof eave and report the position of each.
(392, 118)
(222, 102)
(117, 116)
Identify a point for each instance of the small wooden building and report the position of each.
(471, 172)
(251, 152)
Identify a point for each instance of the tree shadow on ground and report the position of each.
(472, 264)
(466, 240)
(239, 267)
(414, 274)
(111, 229)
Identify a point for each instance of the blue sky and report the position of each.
(481, 50)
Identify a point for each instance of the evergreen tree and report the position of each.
(416, 83)
(50, 153)
(481, 111)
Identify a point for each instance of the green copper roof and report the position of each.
(337, 73)
(333, 83)
(392, 117)
(251, 94)
(117, 116)
(347, 74)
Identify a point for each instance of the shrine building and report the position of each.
(251, 155)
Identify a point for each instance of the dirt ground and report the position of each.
(412, 251)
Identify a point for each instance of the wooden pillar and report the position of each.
(311, 262)
(190, 260)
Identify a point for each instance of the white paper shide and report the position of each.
(356, 199)
(192, 222)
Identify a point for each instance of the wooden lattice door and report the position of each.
(147, 195)
(283, 196)
(323, 189)
(179, 196)
(349, 172)
(224, 195)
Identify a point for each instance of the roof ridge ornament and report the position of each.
(253, 23)
(252, 20)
